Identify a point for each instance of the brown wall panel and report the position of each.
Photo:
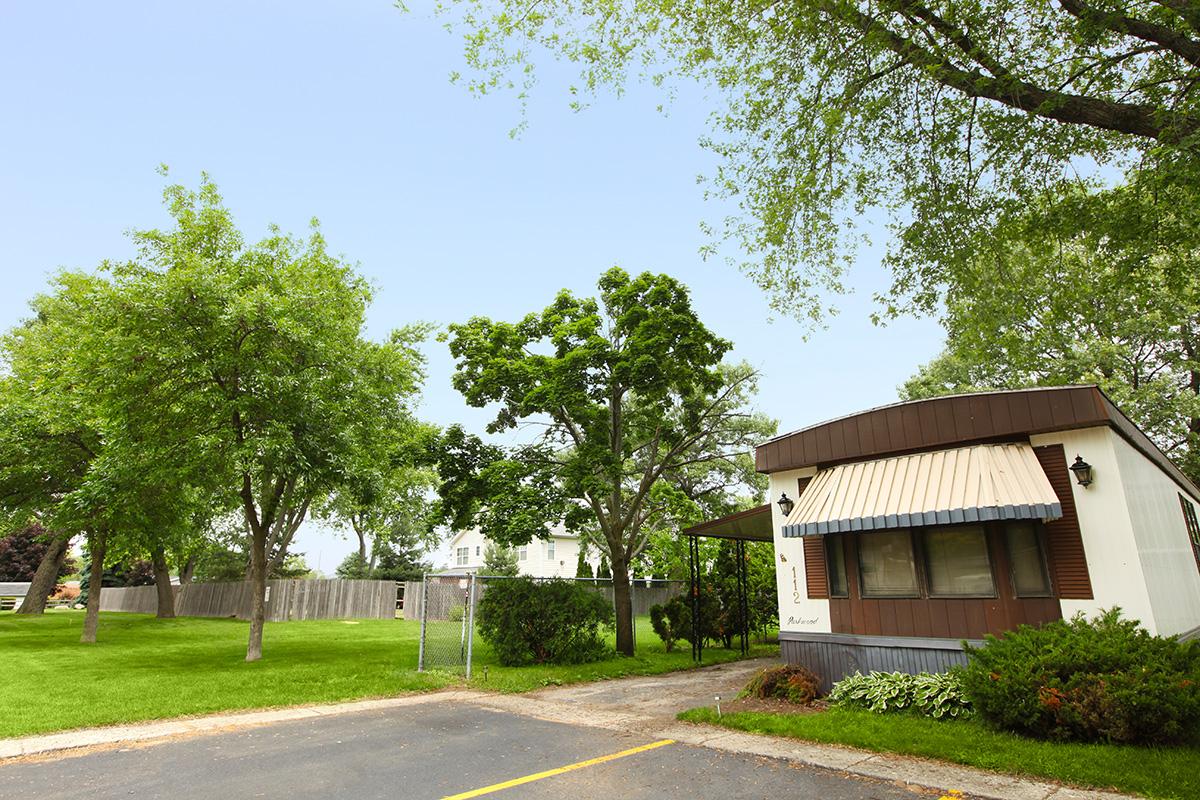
(1068, 561)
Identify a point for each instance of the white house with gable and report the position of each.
(554, 557)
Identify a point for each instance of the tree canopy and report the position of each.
(627, 390)
(1099, 287)
(943, 114)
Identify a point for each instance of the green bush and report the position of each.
(1101, 680)
(937, 695)
(667, 621)
(792, 683)
(554, 621)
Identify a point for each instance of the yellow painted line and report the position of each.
(537, 776)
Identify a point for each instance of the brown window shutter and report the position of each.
(1068, 563)
(815, 575)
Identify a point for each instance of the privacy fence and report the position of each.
(446, 606)
(286, 599)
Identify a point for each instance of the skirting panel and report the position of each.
(834, 657)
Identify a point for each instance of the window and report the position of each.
(461, 556)
(523, 553)
(550, 550)
(957, 563)
(1193, 526)
(476, 549)
(1027, 560)
(835, 565)
(886, 564)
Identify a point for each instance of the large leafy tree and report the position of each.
(627, 389)
(1097, 287)
(945, 114)
(247, 362)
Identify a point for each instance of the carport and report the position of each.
(753, 525)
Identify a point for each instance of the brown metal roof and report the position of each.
(753, 524)
(956, 420)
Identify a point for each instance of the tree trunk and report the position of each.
(46, 576)
(162, 582)
(97, 544)
(258, 593)
(623, 603)
(362, 545)
(187, 571)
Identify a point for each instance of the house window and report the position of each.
(1193, 526)
(835, 565)
(462, 554)
(957, 563)
(523, 553)
(1027, 560)
(476, 549)
(886, 565)
(550, 550)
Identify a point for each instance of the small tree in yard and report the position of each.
(500, 560)
(583, 568)
(39, 557)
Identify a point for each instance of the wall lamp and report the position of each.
(1083, 471)
(786, 504)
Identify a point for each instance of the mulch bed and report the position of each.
(771, 706)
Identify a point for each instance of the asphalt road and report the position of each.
(429, 751)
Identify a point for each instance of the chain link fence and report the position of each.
(449, 603)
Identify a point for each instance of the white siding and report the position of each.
(1172, 578)
(796, 611)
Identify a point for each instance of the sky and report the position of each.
(345, 111)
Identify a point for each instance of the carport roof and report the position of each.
(753, 525)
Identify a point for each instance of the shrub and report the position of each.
(555, 621)
(791, 683)
(667, 621)
(937, 695)
(1105, 679)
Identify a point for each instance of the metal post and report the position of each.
(694, 563)
(470, 617)
(424, 607)
(743, 600)
(462, 641)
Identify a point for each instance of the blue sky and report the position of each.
(344, 111)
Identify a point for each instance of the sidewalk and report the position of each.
(644, 706)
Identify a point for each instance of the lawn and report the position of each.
(144, 668)
(1172, 773)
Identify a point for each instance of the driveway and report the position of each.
(431, 751)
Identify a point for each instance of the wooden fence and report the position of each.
(286, 600)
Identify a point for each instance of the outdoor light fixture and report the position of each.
(1083, 471)
(786, 504)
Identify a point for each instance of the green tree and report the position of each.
(1099, 287)
(583, 568)
(629, 388)
(500, 560)
(248, 363)
(945, 114)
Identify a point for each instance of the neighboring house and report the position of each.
(908, 528)
(555, 557)
(11, 595)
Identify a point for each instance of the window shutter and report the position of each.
(1068, 562)
(815, 576)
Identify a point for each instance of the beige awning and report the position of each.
(966, 484)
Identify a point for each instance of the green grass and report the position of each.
(1154, 772)
(144, 668)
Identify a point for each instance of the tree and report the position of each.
(627, 389)
(500, 560)
(604, 571)
(397, 561)
(583, 568)
(353, 567)
(1099, 287)
(248, 364)
(944, 114)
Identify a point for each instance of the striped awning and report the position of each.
(965, 484)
